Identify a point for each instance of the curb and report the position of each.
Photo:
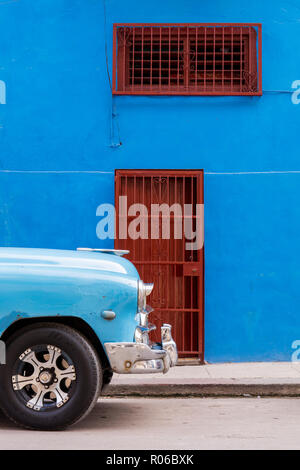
(204, 390)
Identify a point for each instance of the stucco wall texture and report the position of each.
(60, 130)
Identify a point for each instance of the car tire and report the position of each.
(52, 377)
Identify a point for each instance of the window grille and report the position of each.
(202, 59)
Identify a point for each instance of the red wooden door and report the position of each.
(177, 272)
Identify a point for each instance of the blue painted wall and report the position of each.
(58, 154)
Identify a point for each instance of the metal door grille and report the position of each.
(191, 59)
(177, 273)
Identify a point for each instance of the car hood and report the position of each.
(91, 260)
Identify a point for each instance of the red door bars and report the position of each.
(177, 272)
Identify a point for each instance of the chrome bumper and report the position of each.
(142, 357)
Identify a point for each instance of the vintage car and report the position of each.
(69, 320)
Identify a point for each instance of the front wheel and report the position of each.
(52, 377)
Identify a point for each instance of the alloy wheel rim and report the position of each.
(44, 378)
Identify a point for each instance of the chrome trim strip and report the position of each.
(106, 250)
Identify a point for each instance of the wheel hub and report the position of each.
(47, 377)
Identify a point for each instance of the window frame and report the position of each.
(118, 59)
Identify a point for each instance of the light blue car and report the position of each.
(69, 320)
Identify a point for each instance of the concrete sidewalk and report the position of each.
(238, 379)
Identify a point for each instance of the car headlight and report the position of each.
(143, 291)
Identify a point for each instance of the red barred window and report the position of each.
(202, 59)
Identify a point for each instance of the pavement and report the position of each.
(171, 423)
(266, 379)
